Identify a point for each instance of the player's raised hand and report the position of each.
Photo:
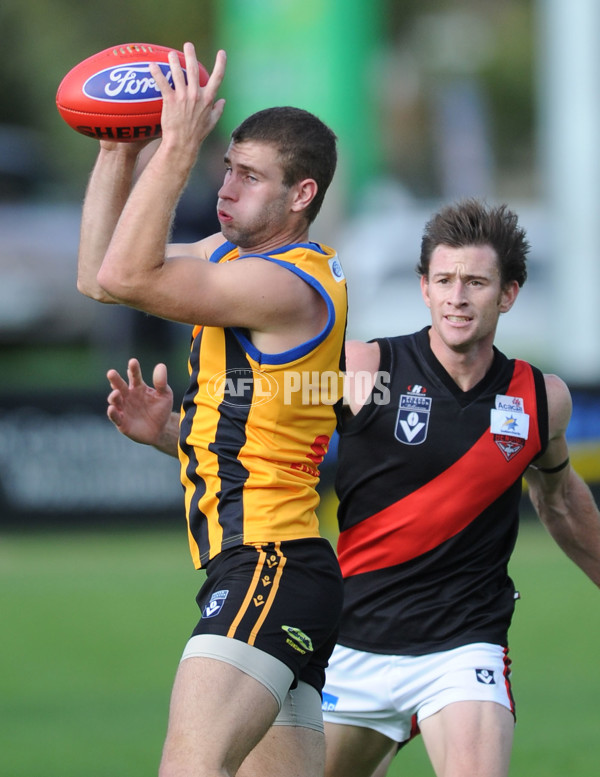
(139, 411)
(190, 111)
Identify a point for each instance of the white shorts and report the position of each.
(391, 694)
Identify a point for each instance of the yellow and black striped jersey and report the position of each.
(255, 426)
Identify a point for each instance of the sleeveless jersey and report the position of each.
(255, 426)
(429, 481)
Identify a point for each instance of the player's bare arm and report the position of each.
(189, 114)
(561, 498)
(106, 195)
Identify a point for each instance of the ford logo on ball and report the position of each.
(126, 83)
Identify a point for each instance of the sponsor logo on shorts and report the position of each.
(329, 702)
(485, 676)
(298, 640)
(215, 605)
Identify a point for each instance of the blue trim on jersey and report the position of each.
(309, 345)
(299, 350)
(220, 252)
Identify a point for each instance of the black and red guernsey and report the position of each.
(429, 500)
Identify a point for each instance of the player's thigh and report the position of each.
(354, 751)
(469, 739)
(295, 745)
(293, 751)
(218, 713)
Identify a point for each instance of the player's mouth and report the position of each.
(224, 218)
(458, 319)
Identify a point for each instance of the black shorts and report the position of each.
(284, 598)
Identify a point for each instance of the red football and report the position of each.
(112, 96)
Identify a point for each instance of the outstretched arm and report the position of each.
(141, 412)
(559, 495)
(105, 198)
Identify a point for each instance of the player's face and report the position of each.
(253, 204)
(465, 296)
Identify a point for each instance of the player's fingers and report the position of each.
(191, 67)
(177, 73)
(216, 77)
(114, 415)
(134, 373)
(159, 378)
(116, 381)
(115, 399)
(160, 79)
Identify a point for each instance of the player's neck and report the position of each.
(466, 366)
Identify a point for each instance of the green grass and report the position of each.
(93, 625)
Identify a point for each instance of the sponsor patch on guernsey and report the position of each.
(509, 423)
(510, 404)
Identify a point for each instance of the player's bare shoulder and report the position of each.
(560, 404)
(362, 357)
(362, 366)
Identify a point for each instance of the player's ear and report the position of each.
(304, 193)
(508, 295)
(425, 290)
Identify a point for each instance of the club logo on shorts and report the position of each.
(298, 640)
(485, 676)
(413, 418)
(215, 605)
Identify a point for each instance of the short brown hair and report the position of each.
(473, 223)
(306, 146)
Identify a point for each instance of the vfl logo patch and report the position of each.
(413, 419)
(485, 676)
(329, 702)
(215, 605)
(298, 640)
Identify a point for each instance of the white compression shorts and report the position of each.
(391, 693)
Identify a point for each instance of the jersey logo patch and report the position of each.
(509, 446)
(215, 605)
(485, 676)
(509, 425)
(336, 269)
(413, 419)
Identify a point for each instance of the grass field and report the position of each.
(93, 625)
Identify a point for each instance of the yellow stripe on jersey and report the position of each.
(256, 426)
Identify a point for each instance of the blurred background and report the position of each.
(432, 100)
